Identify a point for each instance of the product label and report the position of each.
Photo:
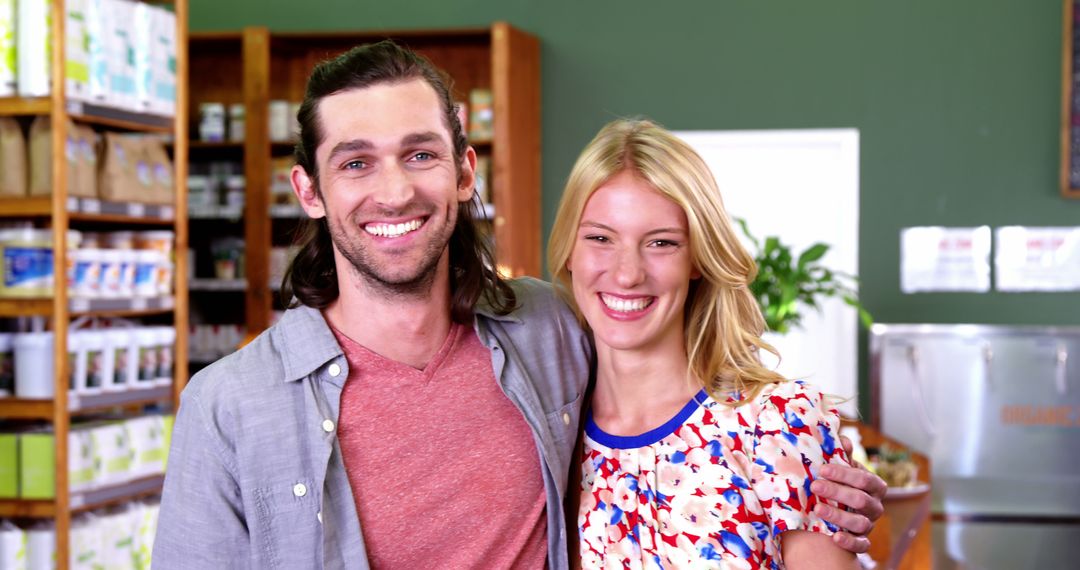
(120, 366)
(148, 363)
(7, 373)
(95, 369)
(28, 267)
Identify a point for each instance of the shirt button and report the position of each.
(335, 370)
(566, 418)
(318, 515)
(327, 426)
(299, 490)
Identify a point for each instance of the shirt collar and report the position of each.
(307, 343)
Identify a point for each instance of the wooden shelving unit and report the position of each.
(60, 212)
(254, 66)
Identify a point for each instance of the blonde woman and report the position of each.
(694, 454)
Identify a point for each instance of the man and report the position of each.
(412, 409)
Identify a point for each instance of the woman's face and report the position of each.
(630, 266)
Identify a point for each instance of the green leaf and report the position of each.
(814, 253)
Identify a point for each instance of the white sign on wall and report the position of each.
(1037, 259)
(945, 259)
(803, 187)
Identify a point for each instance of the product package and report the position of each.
(9, 466)
(481, 115)
(118, 529)
(163, 62)
(41, 547)
(33, 45)
(13, 158)
(37, 465)
(77, 54)
(147, 435)
(120, 49)
(86, 543)
(97, 56)
(8, 78)
(112, 448)
(116, 177)
(161, 171)
(41, 182)
(12, 546)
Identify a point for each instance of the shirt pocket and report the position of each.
(563, 422)
(286, 532)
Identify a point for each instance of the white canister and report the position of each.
(12, 545)
(7, 364)
(126, 286)
(118, 360)
(146, 339)
(86, 281)
(111, 268)
(120, 240)
(34, 365)
(147, 262)
(41, 547)
(93, 377)
(166, 339)
(160, 240)
(278, 117)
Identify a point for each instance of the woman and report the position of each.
(695, 455)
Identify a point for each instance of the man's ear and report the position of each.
(467, 185)
(306, 193)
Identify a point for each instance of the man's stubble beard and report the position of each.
(378, 279)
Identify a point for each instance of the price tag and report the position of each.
(73, 402)
(166, 302)
(138, 304)
(166, 213)
(74, 107)
(91, 206)
(76, 501)
(136, 210)
(72, 204)
(79, 305)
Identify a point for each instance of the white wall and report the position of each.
(803, 186)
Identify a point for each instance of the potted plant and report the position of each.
(785, 284)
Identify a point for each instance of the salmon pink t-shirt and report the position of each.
(443, 467)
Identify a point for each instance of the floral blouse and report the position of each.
(714, 487)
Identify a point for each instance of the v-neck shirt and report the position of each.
(439, 457)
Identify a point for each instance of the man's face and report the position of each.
(389, 184)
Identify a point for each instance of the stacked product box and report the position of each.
(101, 453)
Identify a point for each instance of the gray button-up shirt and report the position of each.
(256, 480)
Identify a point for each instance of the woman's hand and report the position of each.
(857, 489)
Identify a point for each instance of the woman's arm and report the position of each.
(804, 550)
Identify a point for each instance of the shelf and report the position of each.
(118, 118)
(90, 210)
(121, 307)
(17, 408)
(89, 113)
(23, 207)
(217, 285)
(32, 307)
(25, 105)
(84, 500)
(232, 215)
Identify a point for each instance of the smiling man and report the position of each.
(412, 409)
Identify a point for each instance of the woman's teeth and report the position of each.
(625, 305)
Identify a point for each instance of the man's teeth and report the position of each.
(626, 305)
(392, 230)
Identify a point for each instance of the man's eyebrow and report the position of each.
(421, 138)
(350, 146)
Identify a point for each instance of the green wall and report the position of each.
(956, 102)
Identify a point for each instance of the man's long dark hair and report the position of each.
(311, 278)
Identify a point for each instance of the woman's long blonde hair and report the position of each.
(723, 323)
